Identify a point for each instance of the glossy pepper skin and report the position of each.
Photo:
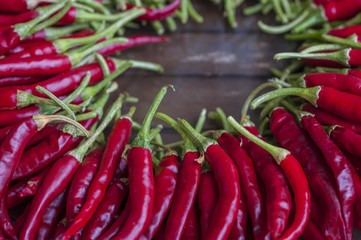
(11, 19)
(17, 5)
(8, 39)
(81, 182)
(341, 82)
(59, 85)
(184, 196)
(8, 117)
(51, 217)
(340, 10)
(47, 151)
(329, 119)
(5, 221)
(106, 211)
(117, 140)
(346, 140)
(207, 198)
(157, 14)
(41, 49)
(192, 230)
(33, 183)
(225, 210)
(165, 181)
(278, 197)
(239, 227)
(290, 136)
(249, 183)
(345, 32)
(12, 197)
(339, 166)
(13, 81)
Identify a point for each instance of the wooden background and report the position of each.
(209, 64)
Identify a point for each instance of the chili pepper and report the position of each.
(50, 218)
(141, 181)
(12, 36)
(187, 185)
(354, 160)
(4, 132)
(238, 230)
(311, 231)
(117, 225)
(11, 19)
(5, 221)
(21, 219)
(249, 184)
(290, 136)
(33, 183)
(132, 42)
(81, 182)
(341, 82)
(12, 197)
(60, 229)
(345, 139)
(354, 72)
(165, 180)
(340, 103)
(17, 5)
(339, 166)
(207, 198)
(56, 181)
(295, 177)
(16, 81)
(329, 119)
(357, 208)
(106, 210)
(117, 140)
(121, 171)
(226, 175)
(192, 230)
(49, 150)
(45, 132)
(156, 14)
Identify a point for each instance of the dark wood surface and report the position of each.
(209, 64)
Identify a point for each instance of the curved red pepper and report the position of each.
(115, 227)
(154, 14)
(60, 229)
(12, 197)
(346, 140)
(69, 17)
(278, 197)
(117, 140)
(106, 211)
(184, 196)
(16, 6)
(291, 137)
(33, 183)
(239, 228)
(192, 230)
(339, 166)
(44, 133)
(41, 49)
(345, 32)
(18, 81)
(5, 221)
(340, 10)
(165, 180)
(19, 222)
(354, 72)
(249, 183)
(11, 19)
(81, 182)
(8, 39)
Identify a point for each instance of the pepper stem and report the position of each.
(315, 17)
(279, 154)
(310, 34)
(223, 118)
(295, 111)
(252, 95)
(309, 94)
(95, 5)
(85, 116)
(82, 86)
(42, 120)
(57, 32)
(142, 138)
(268, 107)
(103, 64)
(341, 56)
(80, 151)
(283, 28)
(201, 120)
(322, 47)
(350, 41)
(198, 139)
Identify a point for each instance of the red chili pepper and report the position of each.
(12, 197)
(18, 81)
(17, 5)
(346, 139)
(165, 180)
(81, 182)
(192, 230)
(341, 82)
(5, 221)
(56, 181)
(345, 32)
(47, 151)
(187, 185)
(354, 160)
(4, 132)
(354, 72)
(33, 183)
(207, 198)
(132, 42)
(19, 222)
(342, 104)
(226, 175)
(295, 176)
(117, 140)
(117, 225)
(291, 137)
(11, 19)
(141, 180)
(311, 232)
(44, 133)
(249, 184)
(121, 171)
(157, 14)
(239, 228)
(60, 229)
(278, 197)
(51, 217)
(106, 211)
(339, 166)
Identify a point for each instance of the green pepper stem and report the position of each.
(103, 64)
(284, 28)
(158, 27)
(263, 125)
(57, 32)
(84, 83)
(268, 107)
(201, 120)
(142, 138)
(80, 151)
(279, 12)
(309, 94)
(322, 47)
(52, 20)
(56, 100)
(99, 104)
(95, 5)
(141, 65)
(84, 16)
(193, 13)
(65, 44)
(350, 41)
(223, 118)
(253, 9)
(341, 56)
(93, 90)
(23, 29)
(315, 17)
(184, 11)
(279, 154)
(332, 70)
(310, 34)
(85, 116)
(295, 111)
(155, 131)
